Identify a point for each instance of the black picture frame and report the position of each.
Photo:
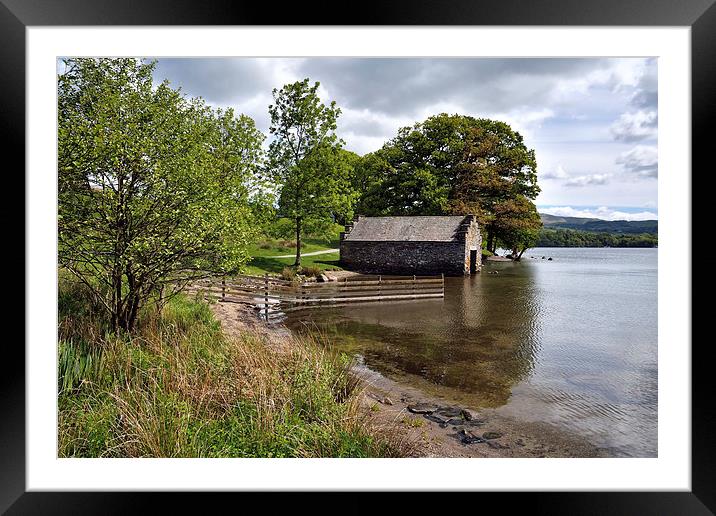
(700, 15)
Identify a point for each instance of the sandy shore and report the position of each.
(435, 427)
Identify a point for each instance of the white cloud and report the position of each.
(557, 173)
(589, 179)
(577, 113)
(602, 212)
(642, 160)
(632, 127)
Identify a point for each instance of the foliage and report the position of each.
(153, 186)
(573, 238)
(601, 226)
(449, 164)
(178, 387)
(516, 225)
(306, 160)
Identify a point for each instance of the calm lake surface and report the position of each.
(571, 342)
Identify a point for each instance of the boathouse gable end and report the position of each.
(421, 245)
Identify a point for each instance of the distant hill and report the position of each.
(625, 227)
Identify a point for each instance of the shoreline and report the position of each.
(435, 426)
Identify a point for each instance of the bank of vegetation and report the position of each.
(179, 387)
(575, 238)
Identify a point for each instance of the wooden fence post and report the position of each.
(266, 293)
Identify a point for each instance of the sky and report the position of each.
(591, 121)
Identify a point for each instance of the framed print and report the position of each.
(346, 256)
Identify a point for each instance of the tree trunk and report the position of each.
(490, 242)
(117, 301)
(521, 253)
(298, 242)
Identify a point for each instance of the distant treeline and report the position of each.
(574, 238)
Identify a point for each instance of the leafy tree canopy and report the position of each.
(449, 164)
(306, 159)
(154, 187)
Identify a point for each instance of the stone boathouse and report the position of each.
(422, 245)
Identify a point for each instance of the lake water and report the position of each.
(571, 342)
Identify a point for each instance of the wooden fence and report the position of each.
(274, 296)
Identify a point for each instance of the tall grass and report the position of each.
(179, 387)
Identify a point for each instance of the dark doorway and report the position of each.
(473, 261)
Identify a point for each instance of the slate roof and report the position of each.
(402, 229)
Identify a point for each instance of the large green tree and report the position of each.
(306, 159)
(448, 164)
(153, 186)
(516, 225)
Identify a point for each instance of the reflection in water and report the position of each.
(474, 345)
(571, 342)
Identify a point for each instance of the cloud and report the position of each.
(577, 113)
(557, 173)
(642, 161)
(406, 86)
(225, 81)
(590, 179)
(646, 94)
(636, 126)
(602, 212)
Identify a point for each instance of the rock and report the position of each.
(496, 445)
(449, 411)
(543, 257)
(469, 438)
(387, 401)
(491, 435)
(549, 259)
(322, 278)
(466, 414)
(422, 408)
(455, 421)
(520, 442)
(436, 419)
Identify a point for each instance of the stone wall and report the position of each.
(404, 258)
(472, 238)
(414, 257)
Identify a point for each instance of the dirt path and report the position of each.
(314, 253)
(438, 428)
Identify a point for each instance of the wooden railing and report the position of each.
(274, 296)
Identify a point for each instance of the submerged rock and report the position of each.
(449, 411)
(466, 414)
(491, 435)
(443, 422)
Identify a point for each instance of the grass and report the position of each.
(261, 264)
(261, 252)
(179, 387)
